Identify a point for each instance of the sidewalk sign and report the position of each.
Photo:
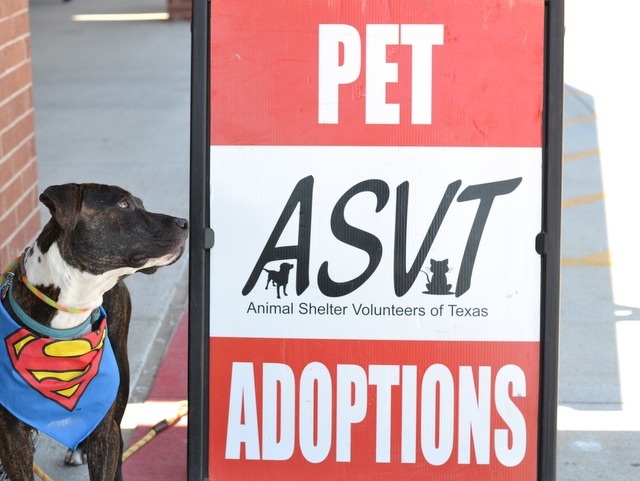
(380, 298)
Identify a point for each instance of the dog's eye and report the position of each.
(124, 204)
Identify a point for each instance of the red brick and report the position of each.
(27, 42)
(14, 27)
(14, 80)
(17, 134)
(19, 209)
(21, 222)
(29, 226)
(11, 7)
(5, 256)
(15, 107)
(11, 188)
(29, 232)
(8, 224)
(20, 200)
(10, 166)
(14, 54)
(29, 176)
(24, 210)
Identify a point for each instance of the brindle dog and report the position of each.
(97, 236)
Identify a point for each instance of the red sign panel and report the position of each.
(343, 410)
(445, 73)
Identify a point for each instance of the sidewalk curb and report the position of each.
(142, 383)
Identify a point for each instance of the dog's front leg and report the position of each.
(16, 448)
(104, 451)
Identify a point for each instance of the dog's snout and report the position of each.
(182, 223)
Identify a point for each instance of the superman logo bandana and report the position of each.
(60, 370)
(61, 387)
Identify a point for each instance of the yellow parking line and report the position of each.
(602, 259)
(584, 154)
(582, 200)
(580, 119)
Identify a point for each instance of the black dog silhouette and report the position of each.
(279, 278)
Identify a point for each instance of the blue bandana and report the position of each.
(63, 388)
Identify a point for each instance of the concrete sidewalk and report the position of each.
(599, 412)
(112, 106)
(598, 429)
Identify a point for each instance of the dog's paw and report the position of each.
(75, 458)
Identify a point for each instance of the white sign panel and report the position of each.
(339, 212)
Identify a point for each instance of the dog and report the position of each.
(279, 278)
(97, 236)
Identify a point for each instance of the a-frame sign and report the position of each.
(380, 298)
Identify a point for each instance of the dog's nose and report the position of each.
(182, 223)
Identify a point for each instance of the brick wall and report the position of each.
(178, 9)
(19, 211)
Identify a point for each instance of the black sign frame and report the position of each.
(548, 242)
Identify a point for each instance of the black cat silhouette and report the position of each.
(437, 285)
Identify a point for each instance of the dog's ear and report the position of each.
(64, 202)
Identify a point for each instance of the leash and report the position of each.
(40, 473)
(158, 428)
(7, 274)
(166, 423)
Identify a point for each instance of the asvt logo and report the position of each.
(301, 199)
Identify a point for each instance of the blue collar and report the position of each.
(40, 329)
